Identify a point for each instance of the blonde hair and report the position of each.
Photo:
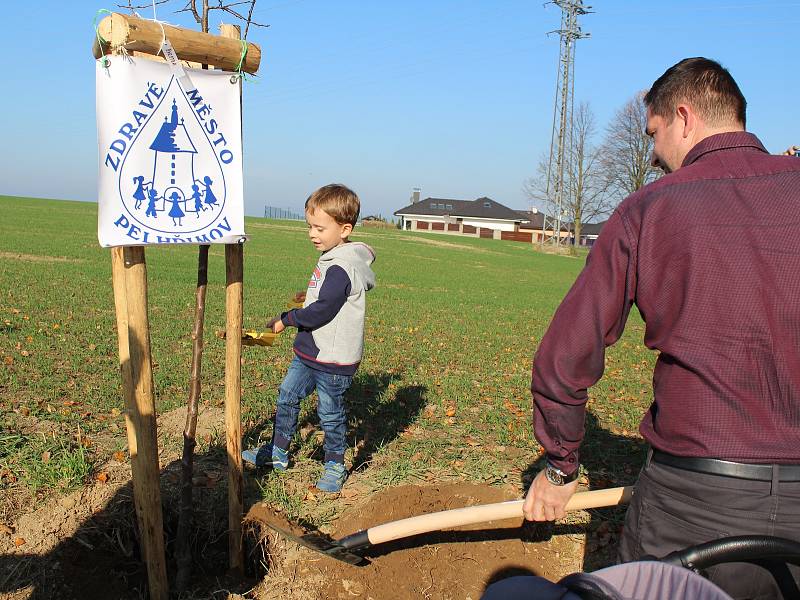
(339, 201)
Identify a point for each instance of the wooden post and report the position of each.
(129, 274)
(144, 35)
(233, 395)
(121, 306)
(234, 258)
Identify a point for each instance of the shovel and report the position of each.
(254, 338)
(346, 549)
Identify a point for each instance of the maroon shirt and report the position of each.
(711, 256)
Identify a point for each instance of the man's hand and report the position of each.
(276, 325)
(545, 501)
(792, 151)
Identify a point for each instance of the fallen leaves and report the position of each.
(513, 409)
(19, 542)
(120, 456)
(102, 477)
(7, 476)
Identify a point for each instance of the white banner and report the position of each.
(170, 158)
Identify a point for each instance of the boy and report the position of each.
(330, 334)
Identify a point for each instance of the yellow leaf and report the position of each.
(102, 477)
(119, 456)
(9, 360)
(46, 456)
(19, 542)
(451, 411)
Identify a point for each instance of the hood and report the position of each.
(357, 254)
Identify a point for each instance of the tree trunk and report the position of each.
(577, 234)
(182, 543)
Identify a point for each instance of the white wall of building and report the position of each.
(486, 223)
(489, 224)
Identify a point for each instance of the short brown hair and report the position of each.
(339, 201)
(704, 84)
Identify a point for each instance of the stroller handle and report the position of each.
(740, 548)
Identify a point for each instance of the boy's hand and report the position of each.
(276, 325)
(300, 297)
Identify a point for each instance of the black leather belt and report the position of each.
(726, 468)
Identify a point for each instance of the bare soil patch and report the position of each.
(443, 565)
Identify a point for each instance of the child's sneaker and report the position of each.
(333, 478)
(267, 456)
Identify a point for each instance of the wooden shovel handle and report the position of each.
(486, 512)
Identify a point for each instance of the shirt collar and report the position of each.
(722, 141)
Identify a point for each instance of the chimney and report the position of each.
(415, 195)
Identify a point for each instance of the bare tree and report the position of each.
(627, 150)
(587, 198)
(201, 15)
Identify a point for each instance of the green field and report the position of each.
(443, 392)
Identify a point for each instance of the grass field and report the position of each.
(442, 393)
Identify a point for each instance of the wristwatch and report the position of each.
(558, 477)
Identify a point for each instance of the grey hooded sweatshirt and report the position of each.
(330, 326)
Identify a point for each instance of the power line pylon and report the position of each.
(559, 171)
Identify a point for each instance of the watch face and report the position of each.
(553, 476)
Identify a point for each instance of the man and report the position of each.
(710, 254)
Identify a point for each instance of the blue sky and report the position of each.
(453, 97)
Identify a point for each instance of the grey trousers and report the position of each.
(674, 508)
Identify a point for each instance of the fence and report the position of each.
(272, 212)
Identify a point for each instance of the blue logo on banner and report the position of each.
(171, 177)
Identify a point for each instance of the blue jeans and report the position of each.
(299, 382)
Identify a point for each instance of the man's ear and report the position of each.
(688, 118)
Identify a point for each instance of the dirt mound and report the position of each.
(442, 565)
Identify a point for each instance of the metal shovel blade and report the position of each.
(315, 540)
